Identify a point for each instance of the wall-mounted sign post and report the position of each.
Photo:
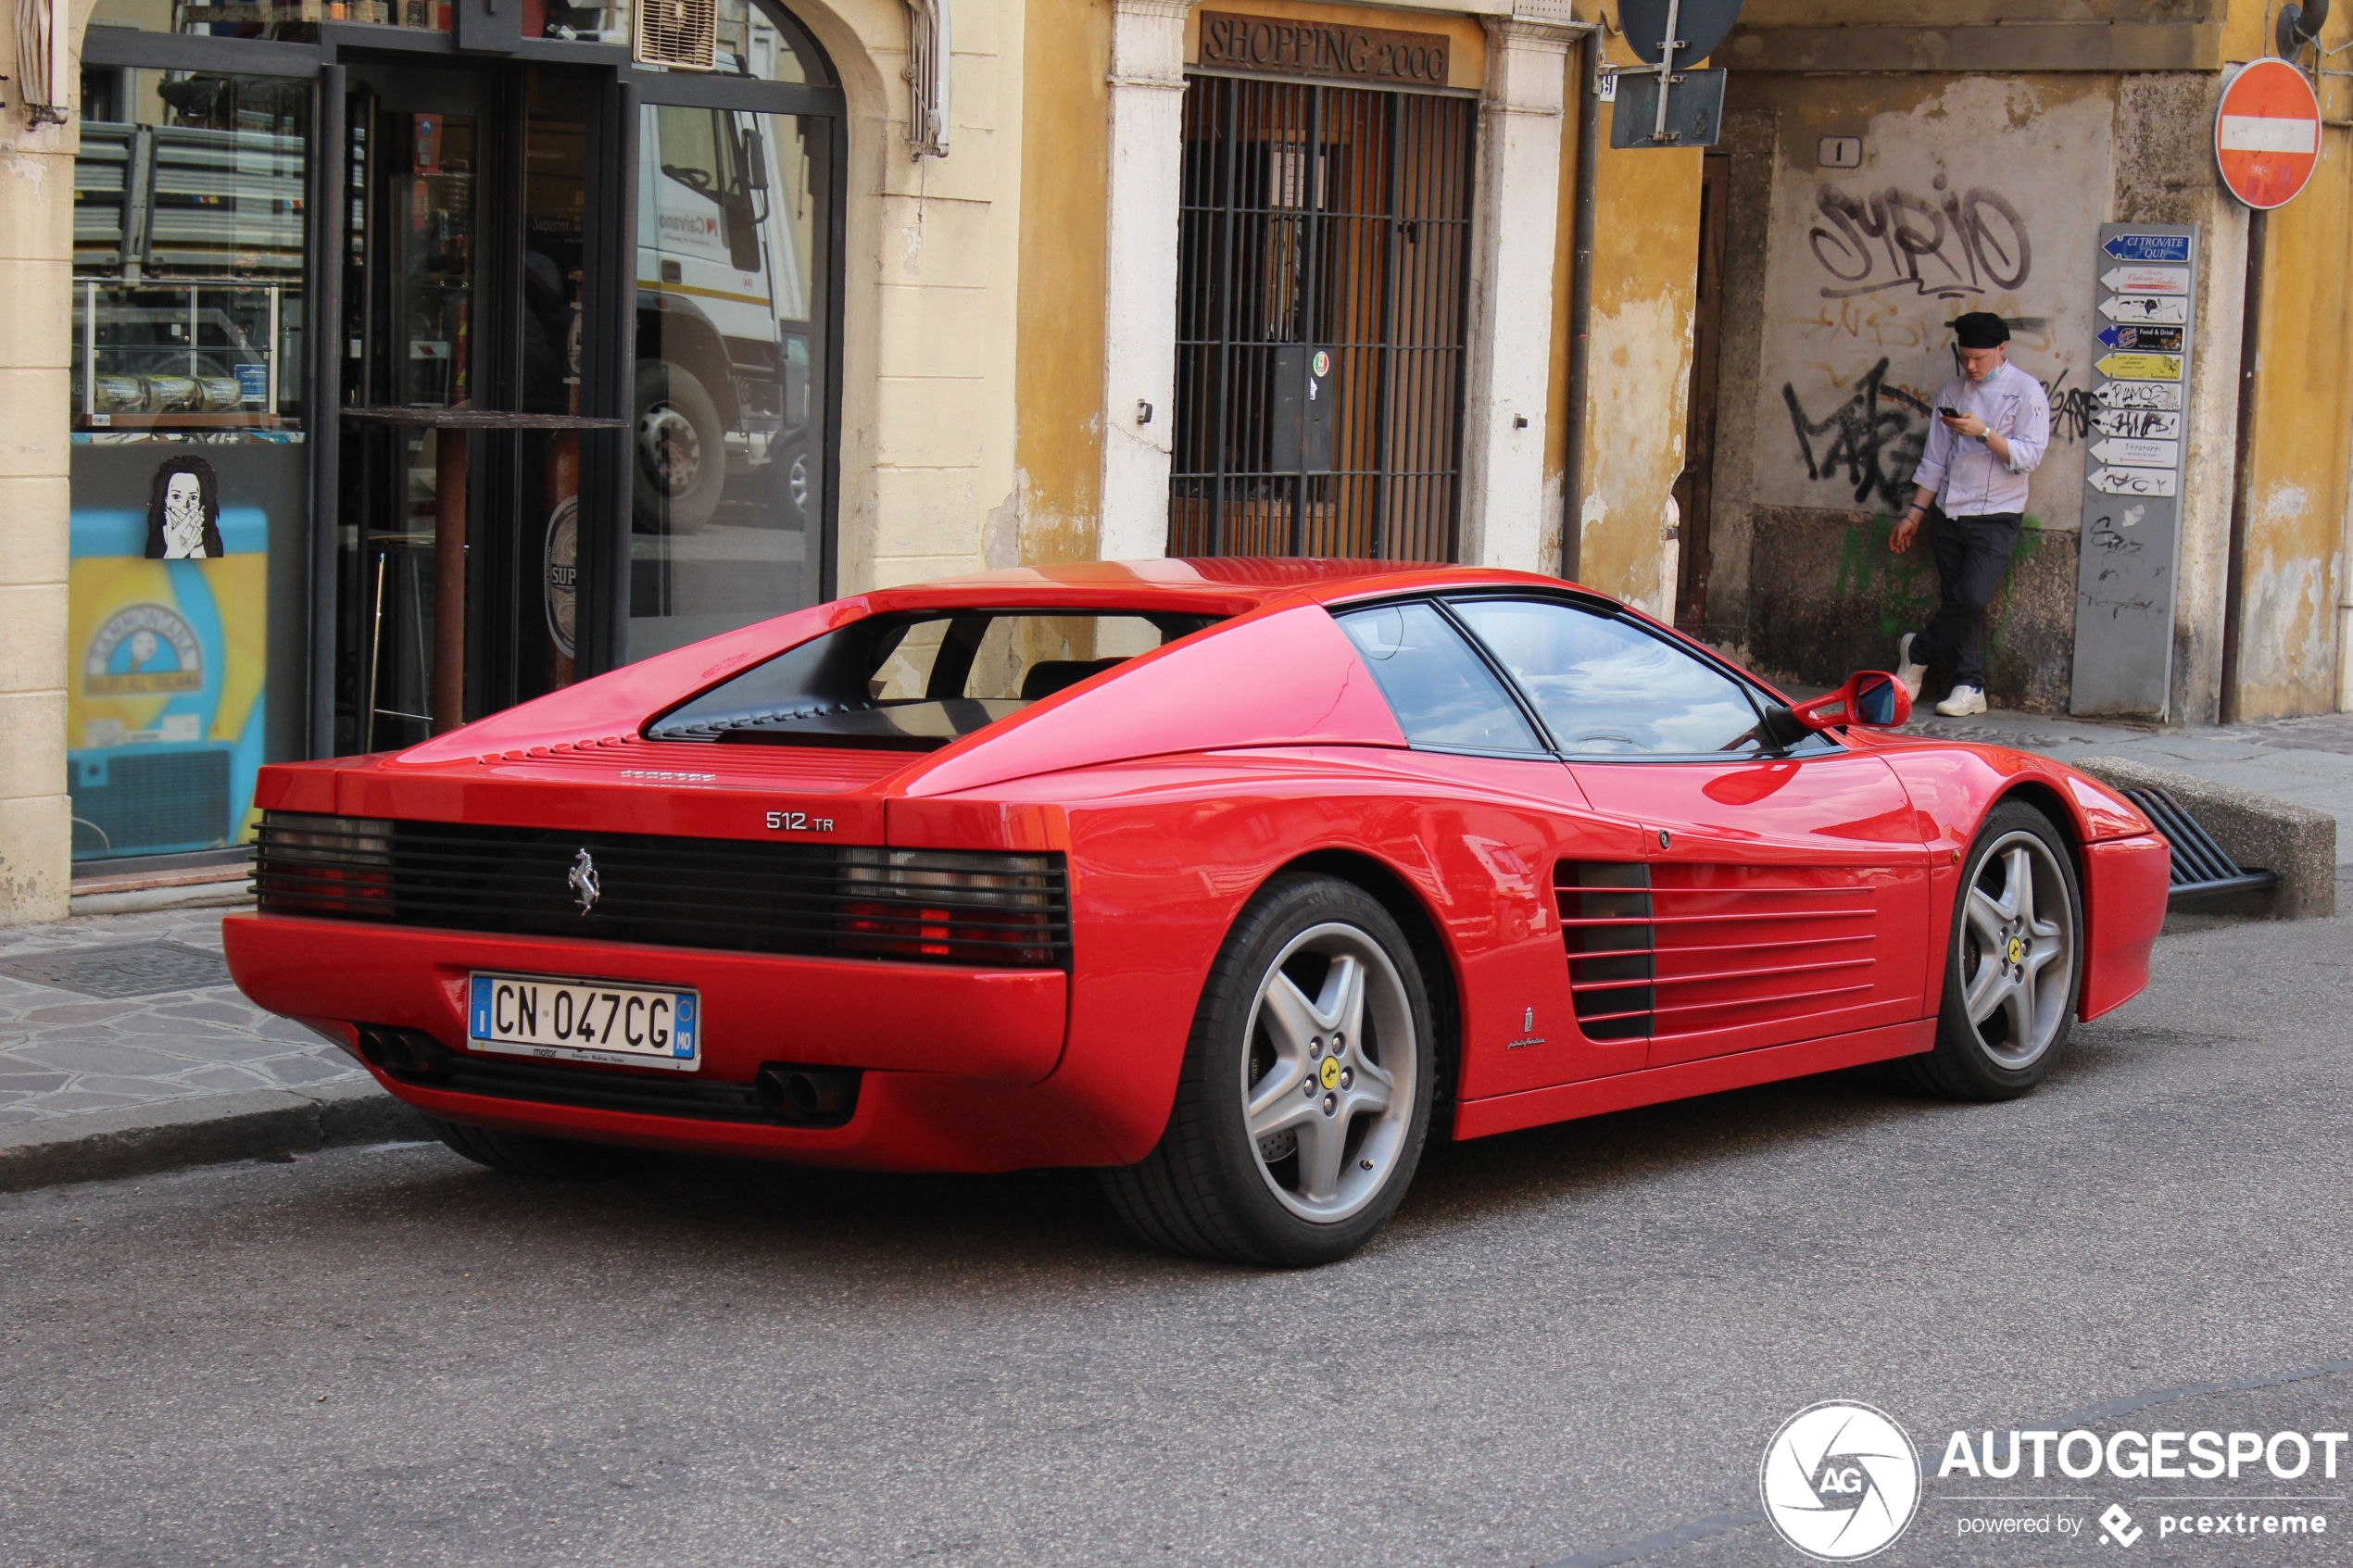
(2130, 538)
(1659, 102)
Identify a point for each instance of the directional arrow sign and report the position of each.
(2146, 280)
(2147, 247)
(2133, 482)
(2160, 340)
(2140, 367)
(2145, 307)
(2146, 422)
(2140, 394)
(2139, 454)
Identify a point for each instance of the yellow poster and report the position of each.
(164, 702)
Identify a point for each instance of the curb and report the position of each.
(260, 1125)
(2258, 829)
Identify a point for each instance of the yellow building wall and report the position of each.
(2294, 564)
(1645, 264)
(1058, 372)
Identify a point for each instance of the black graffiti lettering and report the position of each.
(1874, 443)
(2072, 410)
(2106, 536)
(1967, 243)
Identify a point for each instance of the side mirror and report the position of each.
(755, 162)
(1871, 697)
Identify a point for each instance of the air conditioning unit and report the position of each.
(681, 34)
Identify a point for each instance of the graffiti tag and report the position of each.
(1872, 440)
(1947, 246)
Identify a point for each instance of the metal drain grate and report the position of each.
(128, 968)
(2201, 866)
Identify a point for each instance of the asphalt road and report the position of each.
(1573, 1341)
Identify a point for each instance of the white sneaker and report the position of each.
(1911, 674)
(1964, 701)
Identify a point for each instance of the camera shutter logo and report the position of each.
(1840, 1481)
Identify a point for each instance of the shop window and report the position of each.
(728, 446)
(189, 466)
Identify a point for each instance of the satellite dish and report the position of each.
(1702, 24)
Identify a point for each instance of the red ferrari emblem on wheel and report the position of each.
(2266, 133)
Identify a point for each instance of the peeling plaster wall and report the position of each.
(2165, 174)
(2295, 563)
(1863, 269)
(933, 252)
(1856, 334)
(1059, 378)
(1645, 252)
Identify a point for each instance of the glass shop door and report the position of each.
(468, 262)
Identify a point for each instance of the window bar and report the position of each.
(1304, 322)
(270, 355)
(1224, 220)
(89, 349)
(1384, 457)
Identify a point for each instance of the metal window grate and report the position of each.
(1329, 221)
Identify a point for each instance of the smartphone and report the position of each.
(1949, 411)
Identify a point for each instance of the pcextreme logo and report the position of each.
(1840, 1481)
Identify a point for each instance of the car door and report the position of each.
(1776, 897)
(1499, 809)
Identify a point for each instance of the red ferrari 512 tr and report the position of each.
(1230, 877)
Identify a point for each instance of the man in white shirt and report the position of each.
(1993, 424)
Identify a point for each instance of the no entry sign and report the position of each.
(2266, 133)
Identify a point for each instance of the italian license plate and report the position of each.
(584, 1021)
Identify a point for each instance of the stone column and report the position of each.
(36, 330)
(1140, 301)
(1514, 229)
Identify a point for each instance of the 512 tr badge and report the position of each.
(799, 821)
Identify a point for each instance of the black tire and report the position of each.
(525, 1154)
(1207, 1189)
(1975, 1062)
(789, 469)
(680, 470)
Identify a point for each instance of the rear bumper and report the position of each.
(954, 1061)
(2125, 884)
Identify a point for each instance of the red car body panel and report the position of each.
(1174, 787)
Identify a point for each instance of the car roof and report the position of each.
(1214, 585)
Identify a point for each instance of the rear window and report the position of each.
(1444, 696)
(912, 682)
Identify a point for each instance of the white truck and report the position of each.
(723, 318)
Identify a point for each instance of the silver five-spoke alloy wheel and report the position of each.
(1328, 1080)
(2018, 951)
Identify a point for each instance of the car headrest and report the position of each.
(1049, 675)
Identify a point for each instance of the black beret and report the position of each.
(1982, 329)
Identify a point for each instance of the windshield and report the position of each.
(913, 682)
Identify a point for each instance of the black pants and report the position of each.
(1972, 554)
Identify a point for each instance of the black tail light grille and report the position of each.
(727, 895)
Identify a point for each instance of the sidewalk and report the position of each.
(123, 1048)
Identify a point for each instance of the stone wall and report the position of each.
(1828, 598)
